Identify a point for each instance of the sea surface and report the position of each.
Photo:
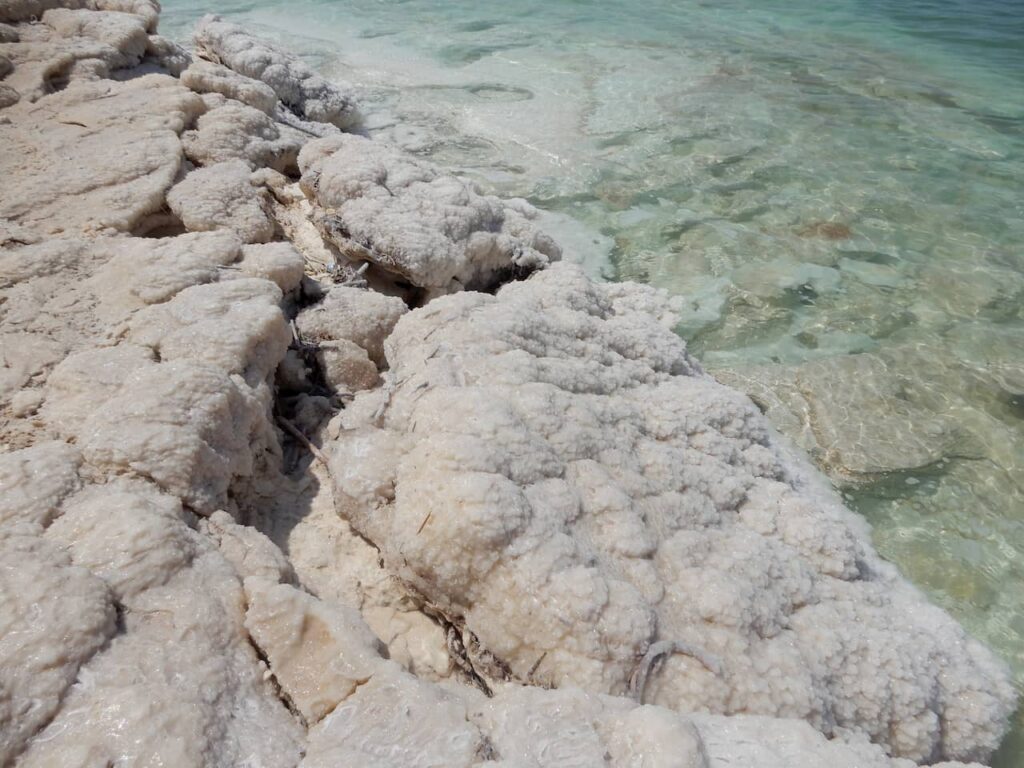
(837, 190)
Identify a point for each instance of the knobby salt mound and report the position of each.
(298, 87)
(435, 230)
(553, 471)
(558, 540)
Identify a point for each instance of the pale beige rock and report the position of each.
(222, 197)
(126, 138)
(236, 326)
(346, 367)
(126, 534)
(318, 654)
(124, 33)
(207, 77)
(278, 262)
(145, 271)
(35, 481)
(432, 229)
(26, 402)
(234, 131)
(26, 10)
(171, 687)
(298, 87)
(24, 356)
(192, 429)
(168, 55)
(84, 381)
(73, 45)
(55, 617)
(361, 316)
(8, 96)
(395, 719)
(251, 554)
(333, 562)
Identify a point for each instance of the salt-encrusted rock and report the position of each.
(168, 55)
(45, 307)
(297, 86)
(396, 719)
(126, 534)
(8, 96)
(190, 428)
(234, 131)
(236, 326)
(24, 356)
(251, 554)
(207, 77)
(278, 262)
(432, 229)
(346, 367)
(74, 45)
(27, 10)
(6, 67)
(222, 197)
(148, 10)
(55, 617)
(552, 470)
(35, 481)
(318, 654)
(179, 684)
(82, 381)
(124, 33)
(8, 34)
(361, 316)
(124, 137)
(144, 271)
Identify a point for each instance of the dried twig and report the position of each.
(536, 666)
(660, 650)
(457, 653)
(295, 432)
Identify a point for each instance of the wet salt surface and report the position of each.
(837, 191)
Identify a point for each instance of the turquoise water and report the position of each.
(837, 189)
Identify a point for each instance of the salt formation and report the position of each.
(365, 318)
(221, 196)
(234, 131)
(432, 229)
(125, 136)
(207, 77)
(551, 469)
(549, 491)
(298, 87)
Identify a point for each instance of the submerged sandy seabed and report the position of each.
(316, 455)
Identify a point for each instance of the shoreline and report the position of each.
(530, 512)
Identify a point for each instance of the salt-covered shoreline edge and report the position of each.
(316, 455)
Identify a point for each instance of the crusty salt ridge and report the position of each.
(171, 597)
(432, 229)
(298, 87)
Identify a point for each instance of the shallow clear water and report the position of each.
(838, 190)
